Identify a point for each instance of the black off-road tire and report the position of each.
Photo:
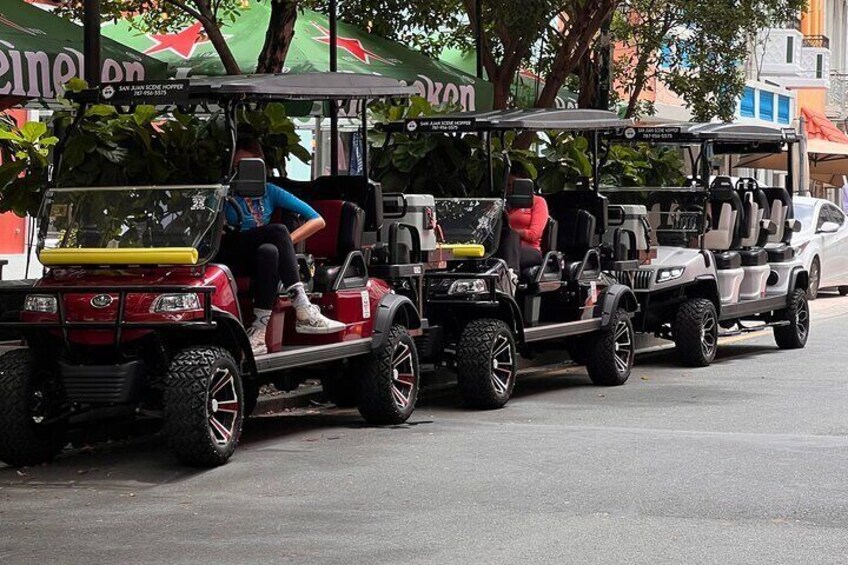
(381, 380)
(843, 290)
(487, 364)
(341, 385)
(815, 279)
(251, 396)
(611, 351)
(577, 350)
(189, 408)
(23, 442)
(695, 332)
(795, 334)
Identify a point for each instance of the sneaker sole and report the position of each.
(318, 331)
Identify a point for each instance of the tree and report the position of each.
(696, 47)
(168, 16)
(551, 35)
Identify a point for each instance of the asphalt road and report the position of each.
(742, 462)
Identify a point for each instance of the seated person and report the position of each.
(266, 252)
(521, 241)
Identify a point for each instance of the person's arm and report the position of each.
(288, 201)
(538, 221)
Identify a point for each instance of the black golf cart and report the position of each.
(480, 321)
(134, 317)
(715, 252)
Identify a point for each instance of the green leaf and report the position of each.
(31, 131)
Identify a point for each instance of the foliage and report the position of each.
(549, 35)
(144, 147)
(449, 165)
(696, 47)
(25, 156)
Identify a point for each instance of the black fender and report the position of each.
(233, 333)
(798, 278)
(706, 286)
(616, 296)
(393, 307)
(511, 314)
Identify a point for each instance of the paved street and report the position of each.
(743, 462)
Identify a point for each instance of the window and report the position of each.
(767, 106)
(830, 213)
(746, 105)
(783, 109)
(790, 50)
(823, 217)
(819, 65)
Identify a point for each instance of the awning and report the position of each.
(189, 52)
(827, 150)
(40, 52)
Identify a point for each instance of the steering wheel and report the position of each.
(228, 227)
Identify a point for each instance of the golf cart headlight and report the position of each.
(665, 275)
(45, 303)
(468, 286)
(182, 302)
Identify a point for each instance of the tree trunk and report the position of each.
(278, 37)
(587, 71)
(639, 80)
(210, 26)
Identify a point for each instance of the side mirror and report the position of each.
(522, 194)
(829, 227)
(793, 225)
(250, 180)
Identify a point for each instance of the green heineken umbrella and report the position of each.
(526, 87)
(188, 52)
(40, 52)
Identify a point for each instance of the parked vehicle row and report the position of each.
(136, 317)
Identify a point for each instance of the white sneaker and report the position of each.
(256, 335)
(310, 320)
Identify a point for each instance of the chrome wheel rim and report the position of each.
(623, 342)
(502, 365)
(223, 406)
(802, 320)
(403, 375)
(709, 335)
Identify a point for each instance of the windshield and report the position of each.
(804, 214)
(470, 221)
(131, 218)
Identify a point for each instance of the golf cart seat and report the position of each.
(662, 211)
(781, 216)
(755, 226)
(337, 248)
(725, 215)
(550, 270)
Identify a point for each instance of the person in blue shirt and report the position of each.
(265, 251)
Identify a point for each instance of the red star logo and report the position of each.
(351, 45)
(183, 43)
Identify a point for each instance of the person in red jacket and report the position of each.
(521, 244)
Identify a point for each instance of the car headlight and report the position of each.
(182, 302)
(799, 249)
(469, 286)
(45, 303)
(665, 275)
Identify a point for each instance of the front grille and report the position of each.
(102, 384)
(642, 279)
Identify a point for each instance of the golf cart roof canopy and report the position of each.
(534, 120)
(743, 134)
(271, 87)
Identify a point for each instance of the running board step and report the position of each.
(299, 356)
(566, 329)
(754, 329)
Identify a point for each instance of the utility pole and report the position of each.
(334, 109)
(91, 42)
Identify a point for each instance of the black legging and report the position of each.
(517, 255)
(267, 255)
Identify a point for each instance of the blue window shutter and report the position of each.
(783, 107)
(746, 105)
(767, 106)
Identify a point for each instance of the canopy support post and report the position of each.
(91, 43)
(334, 109)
